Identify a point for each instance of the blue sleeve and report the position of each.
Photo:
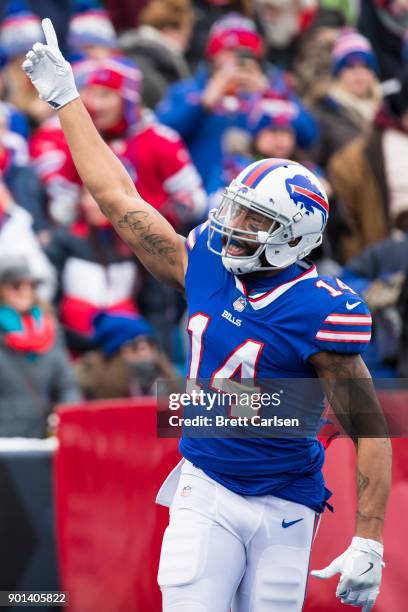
(181, 108)
(342, 322)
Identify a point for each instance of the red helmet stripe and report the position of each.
(268, 164)
(312, 195)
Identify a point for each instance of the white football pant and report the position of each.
(222, 550)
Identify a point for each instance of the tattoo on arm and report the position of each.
(152, 242)
(362, 483)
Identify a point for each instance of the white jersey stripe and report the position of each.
(343, 336)
(203, 226)
(191, 240)
(345, 319)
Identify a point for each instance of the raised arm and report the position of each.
(159, 248)
(151, 237)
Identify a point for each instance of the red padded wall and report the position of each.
(108, 469)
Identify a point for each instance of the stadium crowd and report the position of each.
(187, 93)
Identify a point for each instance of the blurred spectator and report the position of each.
(206, 13)
(158, 45)
(275, 130)
(55, 168)
(380, 274)
(160, 164)
(13, 119)
(353, 98)
(19, 30)
(220, 97)
(311, 65)
(18, 238)
(384, 22)
(96, 271)
(153, 154)
(91, 32)
(127, 362)
(370, 175)
(35, 373)
(59, 11)
(17, 172)
(281, 23)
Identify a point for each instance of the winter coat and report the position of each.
(96, 271)
(340, 123)
(29, 389)
(337, 128)
(357, 175)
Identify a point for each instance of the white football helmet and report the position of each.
(271, 215)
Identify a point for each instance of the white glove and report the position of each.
(49, 72)
(360, 567)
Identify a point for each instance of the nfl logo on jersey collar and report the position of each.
(239, 304)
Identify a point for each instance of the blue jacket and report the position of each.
(203, 131)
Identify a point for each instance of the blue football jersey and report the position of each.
(265, 328)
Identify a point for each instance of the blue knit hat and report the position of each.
(91, 25)
(351, 49)
(19, 29)
(112, 331)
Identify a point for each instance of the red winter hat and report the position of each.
(234, 32)
(118, 73)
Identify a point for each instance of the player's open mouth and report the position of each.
(237, 248)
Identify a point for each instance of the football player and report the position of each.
(242, 511)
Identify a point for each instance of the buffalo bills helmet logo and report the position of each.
(307, 196)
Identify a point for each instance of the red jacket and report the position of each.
(154, 155)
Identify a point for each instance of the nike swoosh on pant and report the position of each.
(290, 523)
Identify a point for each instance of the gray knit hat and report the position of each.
(15, 268)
